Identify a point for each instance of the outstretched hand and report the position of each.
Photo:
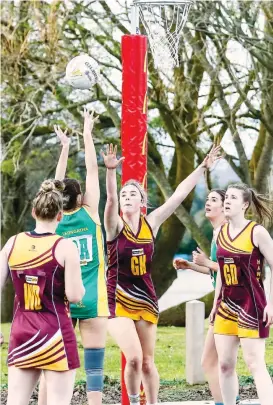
(89, 119)
(181, 264)
(110, 158)
(212, 157)
(65, 140)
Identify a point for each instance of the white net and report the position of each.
(164, 24)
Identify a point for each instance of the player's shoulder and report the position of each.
(259, 233)
(66, 243)
(258, 229)
(7, 248)
(10, 242)
(66, 250)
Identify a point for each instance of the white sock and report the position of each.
(134, 399)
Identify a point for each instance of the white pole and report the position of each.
(195, 316)
(134, 19)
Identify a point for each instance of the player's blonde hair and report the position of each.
(48, 202)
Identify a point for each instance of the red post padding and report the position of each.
(124, 395)
(134, 108)
(134, 130)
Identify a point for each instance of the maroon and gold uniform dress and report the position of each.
(42, 334)
(130, 289)
(243, 297)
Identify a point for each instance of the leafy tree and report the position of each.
(222, 92)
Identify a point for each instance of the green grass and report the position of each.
(170, 355)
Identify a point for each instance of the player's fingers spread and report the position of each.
(216, 149)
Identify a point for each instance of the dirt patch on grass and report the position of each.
(170, 392)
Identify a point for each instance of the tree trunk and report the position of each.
(176, 316)
(13, 223)
(166, 247)
(265, 158)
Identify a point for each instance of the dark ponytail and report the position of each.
(71, 191)
(221, 192)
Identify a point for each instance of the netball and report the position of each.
(82, 72)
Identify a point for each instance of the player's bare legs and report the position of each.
(210, 365)
(21, 383)
(254, 351)
(93, 335)
(147, 336)
(227, 349)
(123, 330)
(59, 386)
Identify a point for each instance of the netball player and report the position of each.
(214, 211)
(131, 295)
(45, 271)
(243, 316)
(81, 224)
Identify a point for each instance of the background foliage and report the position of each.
(222, 92)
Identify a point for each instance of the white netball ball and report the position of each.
(82, 72)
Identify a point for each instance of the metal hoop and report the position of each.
(163, 21)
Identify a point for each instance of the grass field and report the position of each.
(170, 355)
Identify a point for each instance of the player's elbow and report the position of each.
(111, 201)
(76, 294)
